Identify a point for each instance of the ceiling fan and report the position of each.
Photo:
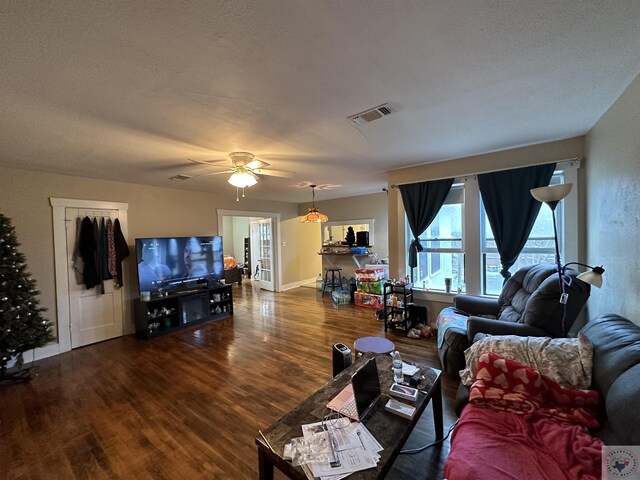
(244, 169)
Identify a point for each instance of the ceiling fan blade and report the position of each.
(274, 173)
(257, 164)
(214, 173)
(211, 163)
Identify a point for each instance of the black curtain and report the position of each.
(511, 209)
(422, 202)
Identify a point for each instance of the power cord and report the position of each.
(420, 449)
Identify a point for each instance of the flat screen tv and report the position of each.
(171, 263)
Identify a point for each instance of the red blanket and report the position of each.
(503, 384)
(520, 425)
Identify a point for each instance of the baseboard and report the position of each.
(302, 283)
(29, 356)
(309, 282)
(289, 286)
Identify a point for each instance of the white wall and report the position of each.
(350, 208)
(227, 235)
(613, 206)
(240, 232)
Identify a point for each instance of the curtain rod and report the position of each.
(569, 162)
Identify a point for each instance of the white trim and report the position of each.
(431, 296)
(291, 286)
(61, 276)
(560, 165)
(570, 217)
(78, 203)
(308, 281)
(49, 350)
(275, 233)
(61, 262)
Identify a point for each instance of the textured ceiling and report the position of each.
(129, 90)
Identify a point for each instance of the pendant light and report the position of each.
(314, 216)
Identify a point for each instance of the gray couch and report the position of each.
(529, 305)
(616, 374)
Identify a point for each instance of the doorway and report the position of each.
(251, 238)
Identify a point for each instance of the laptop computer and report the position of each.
(358, 398)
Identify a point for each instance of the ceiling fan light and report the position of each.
(242, 179)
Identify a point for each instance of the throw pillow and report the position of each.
(568, 361)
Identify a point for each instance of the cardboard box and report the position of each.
(368, 300)
(376, 287)
(370, 275)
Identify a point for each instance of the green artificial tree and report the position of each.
(351, 237)
(22, 326)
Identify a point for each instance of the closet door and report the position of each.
(94, 316)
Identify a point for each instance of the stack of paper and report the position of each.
(353, 448)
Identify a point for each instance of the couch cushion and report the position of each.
(616, 369)
(516, 292)
(616, 348)
(623, 415)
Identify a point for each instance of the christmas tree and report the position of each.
(22, 326)
(351, 237)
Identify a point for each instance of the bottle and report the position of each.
(397, 368)
(319, 282)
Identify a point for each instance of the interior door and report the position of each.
(94, 316)
(265, 250)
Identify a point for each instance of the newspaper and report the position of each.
(353, 448)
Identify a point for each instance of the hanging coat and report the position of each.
(104, 238)
(111, 249)
(98, 237)
(87, 247)
(122, 252)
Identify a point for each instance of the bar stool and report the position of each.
(333, 283)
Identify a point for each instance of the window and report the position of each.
(459, 244)
(539, 248)
(443, 256)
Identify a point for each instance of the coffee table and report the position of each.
(389, 429)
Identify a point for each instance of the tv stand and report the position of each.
(181, 309)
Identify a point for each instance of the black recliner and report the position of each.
(529, 305)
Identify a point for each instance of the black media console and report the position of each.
(164, 314)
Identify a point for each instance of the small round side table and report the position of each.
(373, 344)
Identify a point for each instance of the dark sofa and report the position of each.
(528, 306)
(616, 370)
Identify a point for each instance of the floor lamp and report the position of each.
(552, 195)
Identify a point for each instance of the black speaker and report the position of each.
(362, 239)
(341, 358)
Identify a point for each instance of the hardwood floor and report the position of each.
(189, 405)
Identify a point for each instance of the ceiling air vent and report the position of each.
(372, 114)
(180, 177)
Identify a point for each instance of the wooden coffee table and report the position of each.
(389, 429)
